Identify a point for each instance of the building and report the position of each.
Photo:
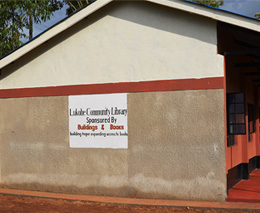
(181, 81)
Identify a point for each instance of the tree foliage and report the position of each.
(12, 18)
(16, 16)
(75, 5)
(39, 10)
(213, 3)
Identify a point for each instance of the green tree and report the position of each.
(213, 3)
(39, 11)
(19, 15)
(75, 5)
(12, 18)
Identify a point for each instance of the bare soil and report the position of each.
(15, 204)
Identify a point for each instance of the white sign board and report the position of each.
(98, 121)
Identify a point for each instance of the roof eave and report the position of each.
(53, 32)
(217, 15)
(209, 12)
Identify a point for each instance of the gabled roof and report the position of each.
(218, 15)
(60, 27)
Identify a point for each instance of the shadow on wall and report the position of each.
(164, 18)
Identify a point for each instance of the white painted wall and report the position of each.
(123, 42)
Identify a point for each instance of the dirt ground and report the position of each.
(34, 204)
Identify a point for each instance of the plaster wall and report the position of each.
(122, 42)
(176, 148)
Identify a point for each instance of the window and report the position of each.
(235, 116)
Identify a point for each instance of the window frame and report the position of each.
(251, 118)
(238, 112)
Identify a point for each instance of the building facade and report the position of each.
(170, 64)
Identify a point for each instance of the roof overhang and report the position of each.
(215, 14)
(218, 15)
(62, 26)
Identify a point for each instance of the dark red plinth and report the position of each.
(246, 190)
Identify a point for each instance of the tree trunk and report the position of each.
(12, 39)
(30, 27)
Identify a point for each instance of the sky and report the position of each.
(56, 17)
(244, 7)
